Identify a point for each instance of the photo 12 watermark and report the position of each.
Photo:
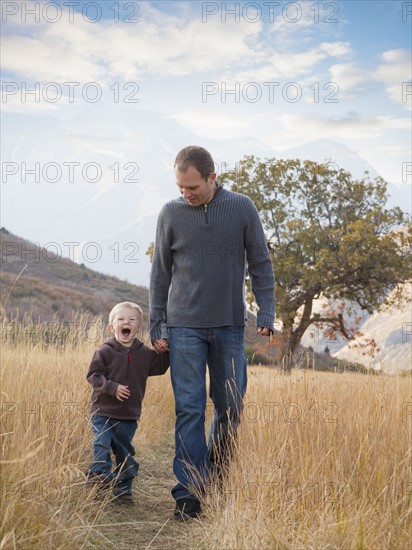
(53, 252)
(288, 412)
(270, 92)
(68, 92)
(407, 172)
(406, 411)
(270, 12)
(406, 12)
(406, 92)
(50, 412)
(52, 333)
(54, 12)
(68, 172)
(315, 492)
(406, 332)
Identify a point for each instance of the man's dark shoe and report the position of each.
(95, 479)
(123, 493)
(187, 508)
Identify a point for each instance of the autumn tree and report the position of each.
(329, 236)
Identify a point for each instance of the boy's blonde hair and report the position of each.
(129, 305)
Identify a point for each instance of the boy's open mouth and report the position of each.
(126, 331)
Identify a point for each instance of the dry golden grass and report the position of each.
(322, 461)
(46, 442)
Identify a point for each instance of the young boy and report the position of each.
(118, 374)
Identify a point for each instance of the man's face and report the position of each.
(125, 326)
(194, 188)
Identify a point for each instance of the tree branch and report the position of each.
(336, 322)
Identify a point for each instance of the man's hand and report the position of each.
(122, 392)
(263, 331)
(161, 345)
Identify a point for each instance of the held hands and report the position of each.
(122, 392)
(161, 345)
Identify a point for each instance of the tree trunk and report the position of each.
(291, 338)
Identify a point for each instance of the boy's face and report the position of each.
(125, 326)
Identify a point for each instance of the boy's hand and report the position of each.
(122, 392)
(161, 345)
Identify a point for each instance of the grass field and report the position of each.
(323, 461)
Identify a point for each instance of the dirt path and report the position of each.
(149, 523)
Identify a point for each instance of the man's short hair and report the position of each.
(195, 156)
(129, 305)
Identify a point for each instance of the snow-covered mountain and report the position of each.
(90, 187)
(337, 155)
(392, 331)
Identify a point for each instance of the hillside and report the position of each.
(54, 287)
(391, 330)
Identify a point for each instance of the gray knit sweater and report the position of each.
(199, 265)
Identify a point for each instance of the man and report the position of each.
(198, 311)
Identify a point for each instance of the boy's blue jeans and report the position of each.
(116, 435)
(222, 349)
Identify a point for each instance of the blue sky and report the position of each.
(334, 69)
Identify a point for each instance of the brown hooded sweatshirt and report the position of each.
(114, 364)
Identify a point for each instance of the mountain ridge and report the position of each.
(37, 280)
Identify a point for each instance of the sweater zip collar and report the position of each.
(207, 204)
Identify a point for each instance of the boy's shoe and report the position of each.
(124, 498)
(187, 508)
(98, 482)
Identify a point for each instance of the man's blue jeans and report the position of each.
(117, 435)
(222, 349)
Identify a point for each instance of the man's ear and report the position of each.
(212, 176)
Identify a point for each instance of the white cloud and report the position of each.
(292, 20)
(396, 67)
(299, 128)
(347, 76)
(292, 65)
(41, 59)
(336, 49)
(159, 45)
(395, 74)
(164, 45)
